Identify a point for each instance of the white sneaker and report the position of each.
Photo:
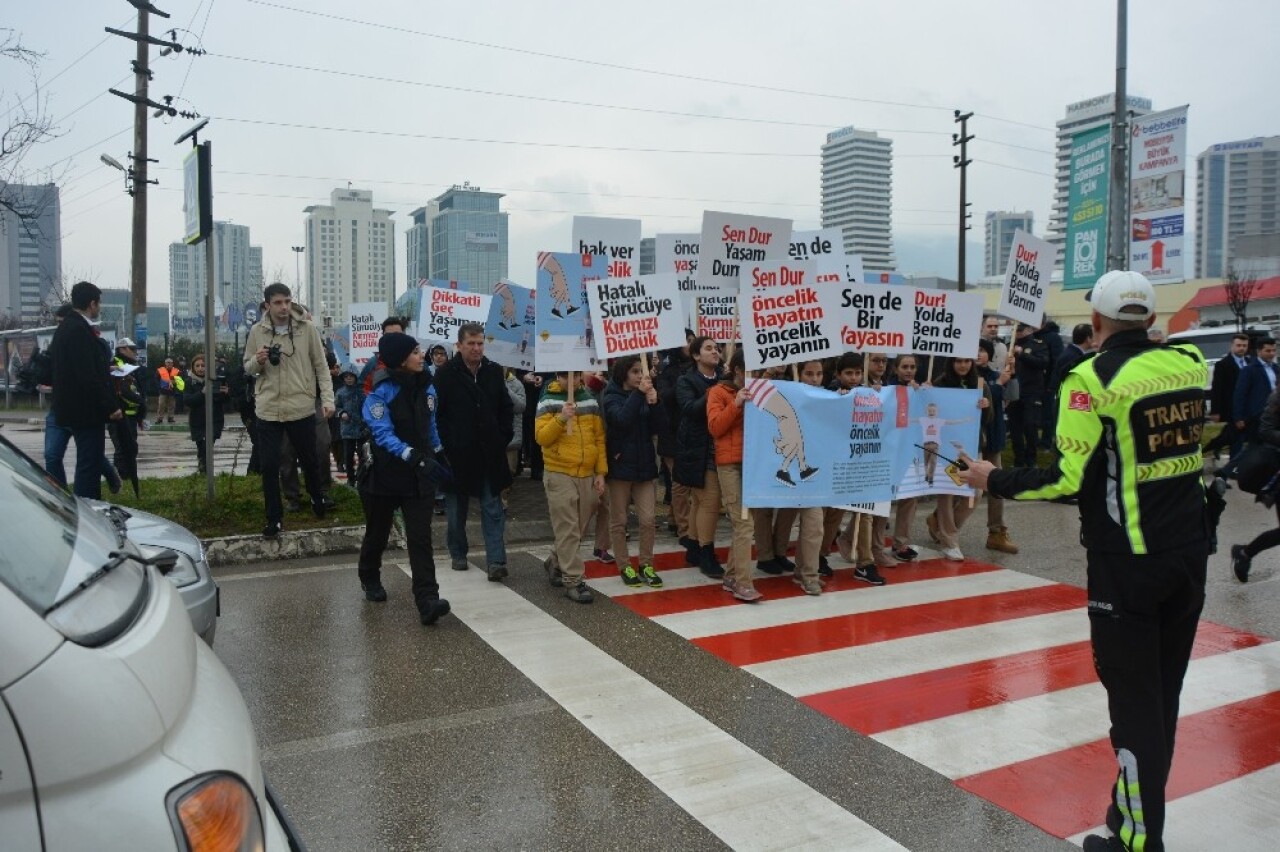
(952, 553)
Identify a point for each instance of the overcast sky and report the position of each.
(577, 83)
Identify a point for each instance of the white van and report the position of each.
(1215, 343)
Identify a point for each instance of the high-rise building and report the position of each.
(237, 277)
(1079, 117)
(1001, 226)
(30, 250)
(857, 194)
(1236, 195)
(468, 238)
(418, 244)
(351, 254)
(648, 256)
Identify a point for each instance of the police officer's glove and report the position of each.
(426, 465)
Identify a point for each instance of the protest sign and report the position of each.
(945, 322)
(678, 253)
(717, 317)
(615, 241)
(365, 321)
(565, 339)
(636, 315)
(825, 248)
(941, 422)
(875, 319)
(806, 446)
(511, 326)
(442, 311)
(731, 240)
(1157, 183)
(853, 273)
(1026, 279)
(786, 315)
(880, 508)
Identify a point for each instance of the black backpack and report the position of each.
(38, 371)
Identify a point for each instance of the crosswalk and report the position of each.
(985, 675)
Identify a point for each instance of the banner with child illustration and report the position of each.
(565, 340)
(807, 446)
(942, 423)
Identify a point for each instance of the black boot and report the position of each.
(692, 552)
(708, 564)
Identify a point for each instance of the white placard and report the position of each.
(786, 315)
(366, 327)
(615, 240)
(731, 241)
(636, 315)
(442, 311)
(1026, 279)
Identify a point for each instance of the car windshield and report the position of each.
(38, 559)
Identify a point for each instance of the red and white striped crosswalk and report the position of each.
(985, 675)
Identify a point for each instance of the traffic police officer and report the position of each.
(1130, 419)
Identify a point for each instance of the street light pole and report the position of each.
(1118, 209)
(297, 272)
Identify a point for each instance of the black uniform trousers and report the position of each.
(378, 513)
(1143, 612)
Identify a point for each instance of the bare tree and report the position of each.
(1239, 289)
(29, 124)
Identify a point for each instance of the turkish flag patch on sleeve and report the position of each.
(1080, 401)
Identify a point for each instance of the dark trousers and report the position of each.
(378, 514)
(1024, 428)
(1143, 612)
(302, 435)
(91, 456)
(1239, 441)
(350, 458)
(1264, 541)
(289, 461)
(124, 437)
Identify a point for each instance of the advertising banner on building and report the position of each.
(565, 339)
(1157, 195)
(636, 315)
(511, 326)
(732, 240)
(364, 319)
(615, 241)
(786, 315)
(806, 446)
(1026, 279)
(443, 310)
(1089, 172)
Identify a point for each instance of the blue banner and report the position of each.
(806, 446)
(565, 339)
(511, 326)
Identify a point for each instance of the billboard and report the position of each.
(1157, 195)
(1090, 176)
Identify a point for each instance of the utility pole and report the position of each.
(961, 161)
(1118, 208)
(297, 274)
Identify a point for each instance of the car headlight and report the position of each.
(184, 571)
(218, 812)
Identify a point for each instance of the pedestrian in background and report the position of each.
(349, 400)
(194, 399)
(401, 414)
(475, 421)
(695, 464)
(165, 378)
(124, 432)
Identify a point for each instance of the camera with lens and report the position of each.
(273, 354)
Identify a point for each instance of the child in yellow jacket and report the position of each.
(575, 462)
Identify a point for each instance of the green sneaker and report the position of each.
(650, 577)
(629, 576)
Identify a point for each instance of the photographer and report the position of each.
(193, 396)
(285, 355)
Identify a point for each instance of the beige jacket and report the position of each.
(288, 392)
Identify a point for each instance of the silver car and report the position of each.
(119, 728)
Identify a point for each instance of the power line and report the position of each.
(73, 64)
(199, 40)
(515, 189)
(613, 65)
(1013, 168)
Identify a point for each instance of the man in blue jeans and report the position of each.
(83, 399)
(475, 423)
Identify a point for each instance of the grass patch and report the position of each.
(237, 509)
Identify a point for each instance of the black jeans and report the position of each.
(351, 458)
(1024, 428)
(378, 514)
(302, 435)
(1143, 612)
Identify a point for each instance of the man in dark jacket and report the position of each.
(1031, 366)
(1222, 394)
(1253, 386)
(83, 399)
(475, 420)
(1051, 334)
